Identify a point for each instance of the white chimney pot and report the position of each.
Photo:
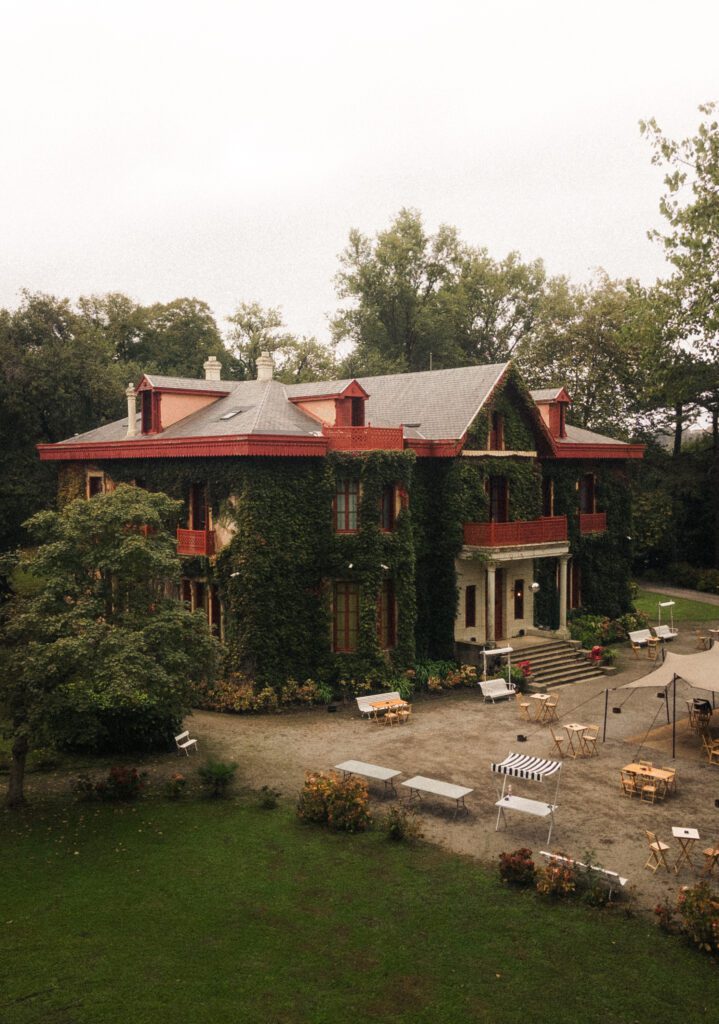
(265, 366)
(212, 368)
(131, 410)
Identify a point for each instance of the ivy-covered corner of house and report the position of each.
(513, 402)
(70, 482)
(605, 558)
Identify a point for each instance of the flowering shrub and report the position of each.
(596, 653)
(175, 786)
(121, 784)
(667, 918)
(340, 803)
(265, 700)
(234, 694)
(595, 630)
(517, 868)
(402, 825)
(699, 910)
(557, 879)
(434, 684)
(525, 667)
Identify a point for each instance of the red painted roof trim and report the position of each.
(425, 448)
(185, 447)
(353, 390)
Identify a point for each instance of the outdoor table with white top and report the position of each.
(532, 769)
(575, 731)
(713, 634)
(686, 838)
(370, 771)
(542, 698)
(419, 784)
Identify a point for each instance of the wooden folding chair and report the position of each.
(658, 850)
(711, 748)
(589, 740)
(523, 706)
(648, 790)
(702, 640)
(390, 717)
(550, 709)
(711, 858)
(404, 713)
(671, 784)
(636, 649)
(557, 743)
(628, 783)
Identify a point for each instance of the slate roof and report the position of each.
(578, 435)
(435, 404)
(545, 394)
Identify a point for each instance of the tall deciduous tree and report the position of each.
(255, 329)
(98, 656)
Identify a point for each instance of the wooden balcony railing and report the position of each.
(593, 522)
(533, 531)
(195, 542)
(364, 439)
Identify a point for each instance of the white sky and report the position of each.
(223, 150)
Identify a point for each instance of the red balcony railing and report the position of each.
(533, 531)
(195, 542)
(364, 439)
(593, 522)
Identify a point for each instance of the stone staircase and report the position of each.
(554, 663)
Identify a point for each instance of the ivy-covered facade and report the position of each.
(333, 529)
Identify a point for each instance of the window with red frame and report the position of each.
(345, 616)
(387, 616)
(346, 506)
(387, 509)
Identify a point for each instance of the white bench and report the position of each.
(418, 784)
(496, 689)
(640, 636)
(370, 771)
(183, 742)
(365, 703)
(612, 876)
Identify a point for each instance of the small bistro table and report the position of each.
(686, 838)
(575, 731)
(542, 698)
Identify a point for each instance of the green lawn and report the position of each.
(684, 609)
(220, 912)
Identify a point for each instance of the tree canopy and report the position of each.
(101, 655)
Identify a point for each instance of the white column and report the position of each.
(564, 559)
(490, 602)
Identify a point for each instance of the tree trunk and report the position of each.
(678, 424)
(15, 793)
(715, 480)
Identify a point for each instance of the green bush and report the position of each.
(175, 786)
(216, 776)
(402, 825)
(268, 798)
(708, 581)
(698, 908)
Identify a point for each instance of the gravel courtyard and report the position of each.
(455, 736)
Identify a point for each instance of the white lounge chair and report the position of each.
(665, 632)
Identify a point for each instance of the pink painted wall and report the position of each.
(176, 407)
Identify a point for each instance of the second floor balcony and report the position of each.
(592, 522)
(546, 530)
(194, 543)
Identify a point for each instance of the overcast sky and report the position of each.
(223, 150)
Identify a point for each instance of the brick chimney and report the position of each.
(212, 368)
(265, 366)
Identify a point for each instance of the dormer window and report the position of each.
(150, 408)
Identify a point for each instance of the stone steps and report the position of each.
(555, 663)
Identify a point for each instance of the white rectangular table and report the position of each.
(526, 806)
(370, 771)
(419, 784)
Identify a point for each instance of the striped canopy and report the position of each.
(522, 766)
